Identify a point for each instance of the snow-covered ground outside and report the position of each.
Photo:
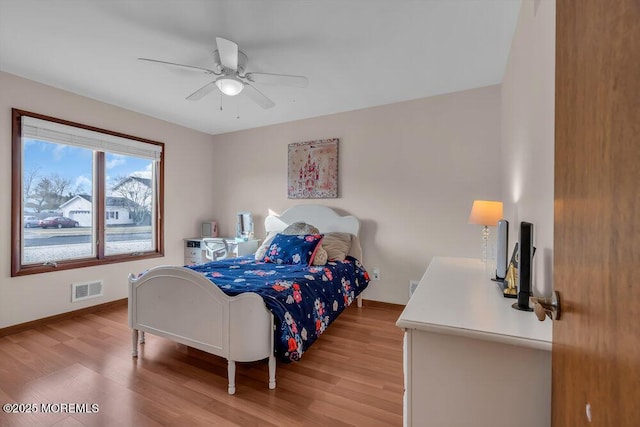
(41, 254)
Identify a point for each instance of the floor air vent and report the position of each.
(87, 290)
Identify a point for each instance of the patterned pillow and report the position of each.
(320, 256)
(295, 228)
(293, 249)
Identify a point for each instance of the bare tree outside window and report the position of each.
(49, 192)
(29, 181)
(139, 194)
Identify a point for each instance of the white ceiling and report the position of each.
(356, 53)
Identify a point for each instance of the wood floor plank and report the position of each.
(54, 334)
(68, 422)
(348, 386)
(351, 417)
(352, 376)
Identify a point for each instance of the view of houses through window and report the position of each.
(58, 188)
(75, 193)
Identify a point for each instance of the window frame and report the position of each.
(17, 268)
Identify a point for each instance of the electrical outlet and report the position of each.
(376, 274)
(413, 284)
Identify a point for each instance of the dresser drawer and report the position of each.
(192, 253)
(192, 261)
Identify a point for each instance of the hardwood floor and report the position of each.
(351, 376)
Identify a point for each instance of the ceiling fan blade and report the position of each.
(278, 79)
(228, 52)
(258, 97)
(204, 90)
(180, 66)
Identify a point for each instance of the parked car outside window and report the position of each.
(58, 222)
(30, 221)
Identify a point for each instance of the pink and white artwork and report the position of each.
(313, 169)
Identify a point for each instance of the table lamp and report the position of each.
(486, 213)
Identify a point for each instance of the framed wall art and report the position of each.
(313, 169)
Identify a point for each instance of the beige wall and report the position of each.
(528, 132)
(410, 171)
(188, 154)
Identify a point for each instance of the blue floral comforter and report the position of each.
(303, 299)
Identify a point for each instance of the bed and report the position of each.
(189, 307)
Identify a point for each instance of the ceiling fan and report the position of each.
(229, 67)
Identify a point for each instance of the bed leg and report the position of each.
(272, 372)
(142, 337)
(134, 341)
(359, 300)
(231, 374)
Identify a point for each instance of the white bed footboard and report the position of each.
(183, 306)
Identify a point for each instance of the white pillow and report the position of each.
(264, 246)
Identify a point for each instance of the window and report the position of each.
(82, 196)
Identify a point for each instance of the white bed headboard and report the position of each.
(321, 217)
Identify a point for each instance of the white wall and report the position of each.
(188, 198)
(528, 99)
(410, 171)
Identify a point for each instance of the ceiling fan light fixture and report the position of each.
(229, 85)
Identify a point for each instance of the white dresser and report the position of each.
(469, 358)
(194, 251)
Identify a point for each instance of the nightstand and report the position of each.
(194, 251)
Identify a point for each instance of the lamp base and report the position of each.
(485, 245)
(521, 308)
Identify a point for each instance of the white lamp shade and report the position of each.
(485, 212)
(229, 85)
